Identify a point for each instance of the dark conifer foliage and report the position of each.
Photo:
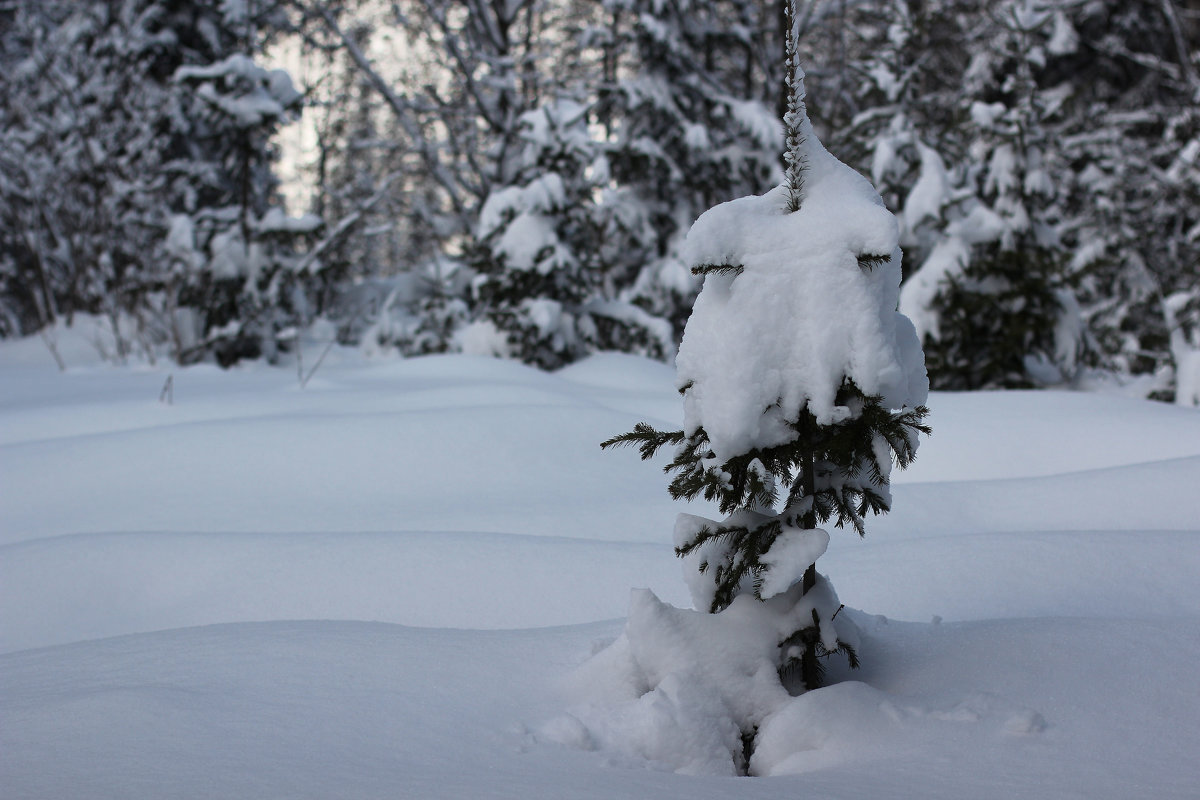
(998, 324)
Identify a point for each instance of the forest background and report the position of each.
(515, 177)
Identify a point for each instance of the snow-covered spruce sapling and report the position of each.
(995, 301)
(553, 249)
(801, 385)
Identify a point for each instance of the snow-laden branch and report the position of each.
(345, 224)
(1185, 60)
(402, 108)
(437, 12)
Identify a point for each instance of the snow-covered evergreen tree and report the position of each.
(81, 160)
(1132, 204)
(135, 175)
(243, 279)
(688, 125)
(801, 385)
(903, 129)
(554, 249)
(993, 298)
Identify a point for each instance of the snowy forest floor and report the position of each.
(380, 586)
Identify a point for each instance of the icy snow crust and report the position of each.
(802, 314)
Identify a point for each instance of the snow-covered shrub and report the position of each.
(687, 129)
(1007, 321)
(420, 312)
(554, 250)
(801, 386)
(993, 299)
(243, 277)
(135, 176)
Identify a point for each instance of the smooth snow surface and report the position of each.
(392, 583)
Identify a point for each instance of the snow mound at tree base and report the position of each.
(695, 693)
(660, 696)
(679, 687)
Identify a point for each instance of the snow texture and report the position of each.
(793, 552)
(801, 317)
(528, 240)
(947, 260)
(1185, 351)
(374, 587)
(264, 94)
(276, 220)
(680, 687)
(929, 193)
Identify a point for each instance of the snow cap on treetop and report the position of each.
(801, 316)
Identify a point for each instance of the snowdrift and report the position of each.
(386, 585)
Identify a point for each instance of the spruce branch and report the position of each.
(850, 480)
(811, 672)
(742, 549)
(869, 261)
(720, 269)
(648, 439)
